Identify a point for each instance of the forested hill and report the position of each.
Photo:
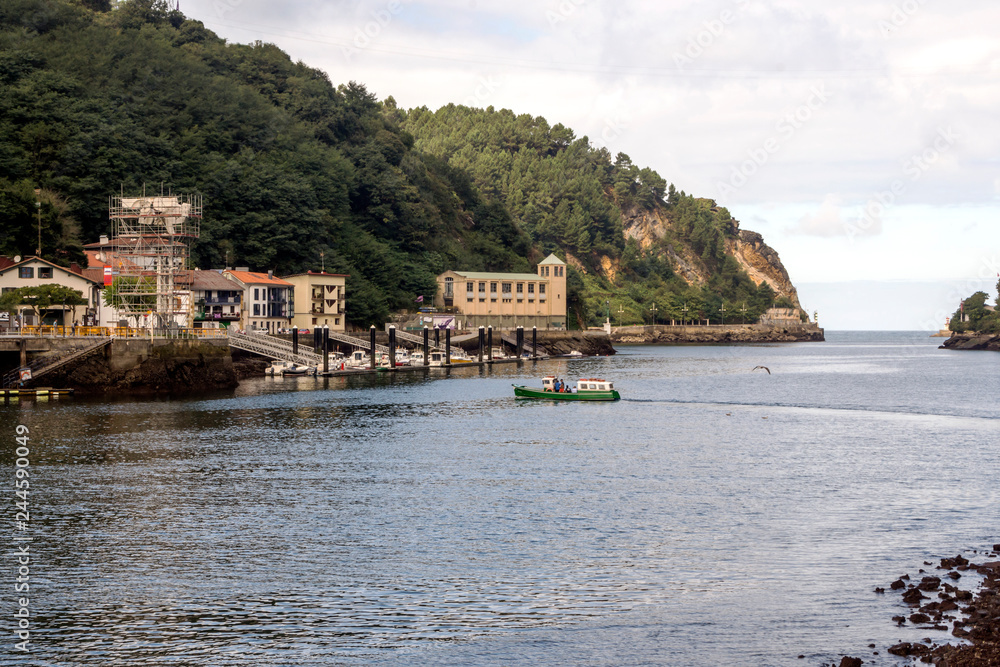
(635, 240)
(293, 167)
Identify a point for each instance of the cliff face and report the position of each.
(762, 263)
(651, 229)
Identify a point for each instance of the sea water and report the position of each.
(718, 514)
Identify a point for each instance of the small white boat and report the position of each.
(358, 359)
(575, 353)
(458, 356)
(417, 358)
(288, 368)
(436, 358)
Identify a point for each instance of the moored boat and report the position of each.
(587, 389)
(288, 369)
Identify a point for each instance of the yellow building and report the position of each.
(319, 300)
(506, 300)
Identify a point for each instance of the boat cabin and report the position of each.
(594, 384)
(582, 385)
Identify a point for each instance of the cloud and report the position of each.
(827, 221)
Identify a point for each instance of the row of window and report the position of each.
(541, 298)
(271, 310)
(28, 272)
(557, 271)
(505, 288)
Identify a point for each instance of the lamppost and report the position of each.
(685, 311)
(653, 310)
(743, 319)
(723, 311)
(38, 207)
(607, 308)
(620, 311)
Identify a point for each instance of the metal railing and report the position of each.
(111, 332)
(48, 363)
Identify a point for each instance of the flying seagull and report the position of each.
(764, 367)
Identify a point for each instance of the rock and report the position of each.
(929, 583)
(906, 649)
(898, 584)
(919, 618)
(900, 620)
(851, 662)
(913, 596)
(971, 341)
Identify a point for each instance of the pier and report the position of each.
(109, 359)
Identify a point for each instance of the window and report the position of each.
(531, 288)
(256, 310)
(482, 289)
(256, 294)
(26, 272)
(45, 272)
(493, 290)
(8, 289)
(336, 320)
(520, 288)
(449, 288)
(505, 288)
(470, 288)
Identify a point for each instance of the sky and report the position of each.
(860, 138)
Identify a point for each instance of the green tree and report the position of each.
(130, 291)
(42, 297)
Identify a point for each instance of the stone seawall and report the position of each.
(718, 333)
(144, 366)
(559, 342)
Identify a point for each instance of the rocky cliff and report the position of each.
(653, 230)
(762, 263)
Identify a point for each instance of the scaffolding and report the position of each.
(150, 247)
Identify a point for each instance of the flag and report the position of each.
(420, 299)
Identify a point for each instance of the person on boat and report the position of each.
(557, 387)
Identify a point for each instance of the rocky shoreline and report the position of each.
(972, 341)
(936, 600)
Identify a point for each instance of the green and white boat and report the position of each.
(587, 389)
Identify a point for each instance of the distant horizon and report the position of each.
(888, 305)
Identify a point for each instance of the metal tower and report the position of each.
(150, 245)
